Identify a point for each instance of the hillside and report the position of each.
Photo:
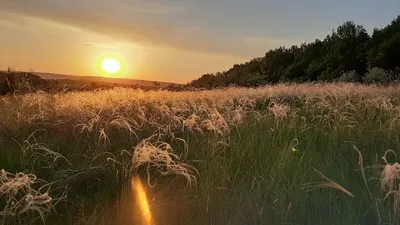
(348, 54)
(102, 80)
(25, 82)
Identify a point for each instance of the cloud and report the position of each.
(97, 46)
(116, 19)
(12, 21)
(257, 40)
(154, 8)
(144, 23)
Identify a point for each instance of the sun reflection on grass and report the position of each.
(139, 193)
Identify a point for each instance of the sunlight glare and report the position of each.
(138, 191)
(111, 65)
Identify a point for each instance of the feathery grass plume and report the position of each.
(103, 137)
(328, 184)
(192, 123)
(216, 123)
(20, 197)
(279, 110)
(390, 175)
(390, 180)
(129, 125)
(159, 155)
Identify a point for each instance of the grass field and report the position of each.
(286, 154)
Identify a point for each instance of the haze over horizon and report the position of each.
(167, 40)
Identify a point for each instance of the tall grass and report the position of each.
(280, 154)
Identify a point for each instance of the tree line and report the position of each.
(349, 54)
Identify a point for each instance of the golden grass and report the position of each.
(166, 113)
(21, 197)
(132, 109)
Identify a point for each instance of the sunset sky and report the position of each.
(168, 40)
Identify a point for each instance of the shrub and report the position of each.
(378, 75)
(349, 76)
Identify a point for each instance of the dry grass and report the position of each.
(390, 181)
(328, 184)
(213, 110)
(20, 196)
(163, 115)
(161, 156)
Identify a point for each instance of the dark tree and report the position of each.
(347, 49)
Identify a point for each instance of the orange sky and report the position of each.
(45, 46)
(158, 41)
(162, 40)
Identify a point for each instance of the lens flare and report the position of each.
(139, 192)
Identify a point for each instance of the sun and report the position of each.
(110, 65)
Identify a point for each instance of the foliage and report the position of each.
(23, 82)
(379, 75)
(350, 76)
(348, 48)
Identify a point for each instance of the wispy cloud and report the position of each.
(144, 23)
(153, 8)
(112, 18)
(12, 21)
(265, 41)
(97, 46)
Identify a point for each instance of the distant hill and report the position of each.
(102, 80)
(24, 82)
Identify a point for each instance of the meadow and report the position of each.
(283, 154)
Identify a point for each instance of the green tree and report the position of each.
(347, 50)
